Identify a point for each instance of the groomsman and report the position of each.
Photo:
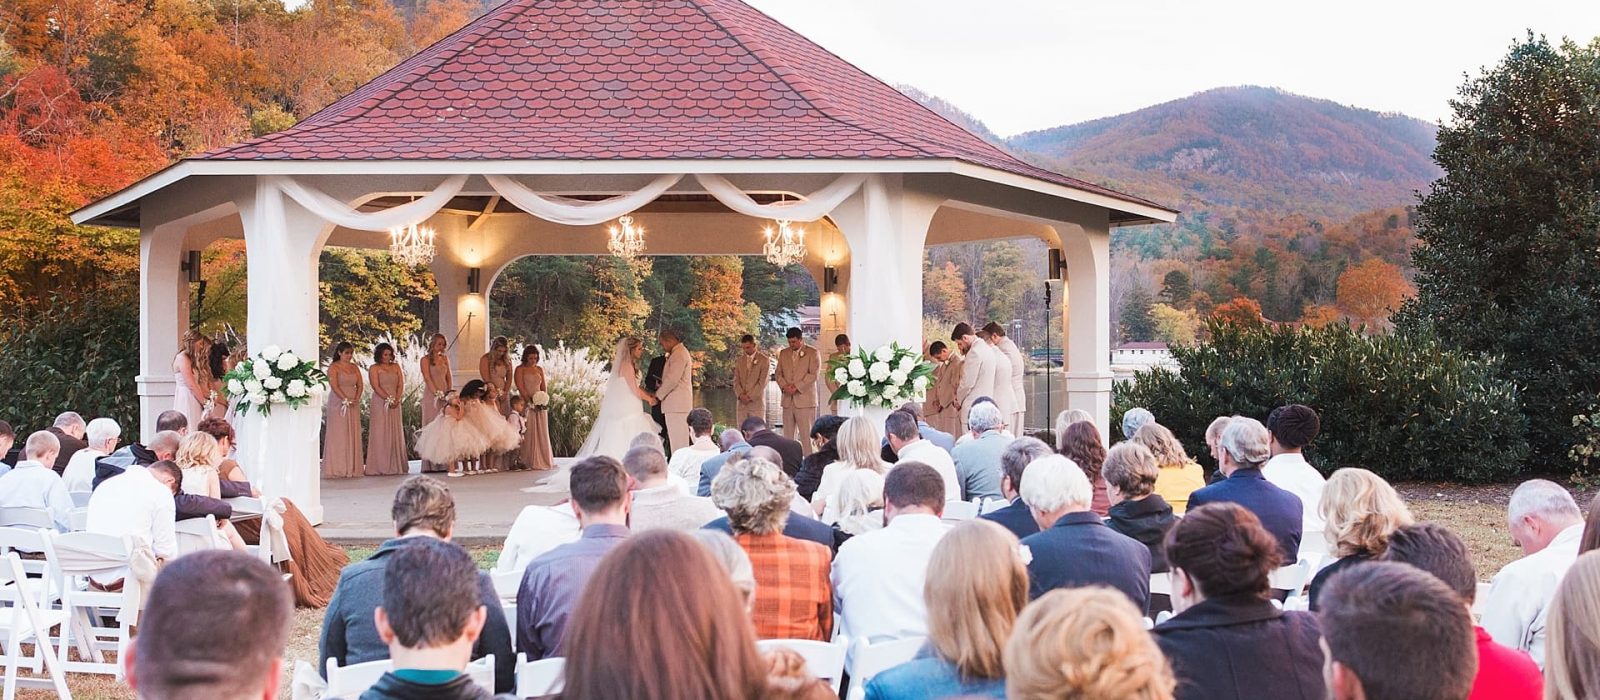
(944, 412)
(1019, 382)
(841, 348)
(751, 371)
(798, 366)
(977, 368)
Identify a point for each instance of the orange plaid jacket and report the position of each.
(794, 599)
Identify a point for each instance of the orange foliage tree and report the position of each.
(1241, 310)
(1373, 290)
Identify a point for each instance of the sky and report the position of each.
(1021, 65)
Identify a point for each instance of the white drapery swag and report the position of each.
(815, 206)
(578, 212)
(334, 211)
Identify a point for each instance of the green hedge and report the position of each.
(1401, 405)
(78, 354)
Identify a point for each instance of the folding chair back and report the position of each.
(537, 679)
(76, 556)
(21, 516)
(825, 660)
(1161, 584)
(28, 622)
(196, 534)
(80, 499)
(871, 659)
(955, 511)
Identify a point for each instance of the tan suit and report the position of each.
(676, 395)
(944, 411)
(977, 376)
(799, 368)
(750, 376)
(827, 380)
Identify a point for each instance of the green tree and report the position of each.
(1507, 264)
(1138, 325)
(539, 298)
(365, 294)
(614, 307)
(1176, 288)
(1006, 281)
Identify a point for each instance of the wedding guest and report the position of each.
(1084, 644)
(101, 440)
(553, 582)
(173, 658)
(532, 383)
(430, 618)
(537, 529)
(1591, 528)
(1014, 461)
(733, 446)
(860, 505)
(436, 381)
(841, 349)
(218, 363)
(192, 383)
(1361, 511)
(659, 503)
(793, 599)
(386, 439)
(1068, 417)
(232, 481)
(1546, 524)
(1393, 631)
(944, 411)
(731, 556)
(1222, 561)
(978, 461)
(906, 440)
(198, 457)
(1292, 428)
(163, 447)
(137, 503)
(1243, 448)
(858, 449)
(977, 585)
(33, 484)
(1136, 510)
(1081, 443)
(494, 368)
(341, 439)
(1179, 475)
(8, 437)
(752, 369)
(686, 460)
(758, 434)
(798, 367)
(824, 451)
(1134, 419)
(1503, 673)
(943, 439)
(423, 508)
(879, 577)
(69, 430)
(1073, 547)
(1573, 659)
(1214, 438)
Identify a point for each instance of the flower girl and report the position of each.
(450, 438)
(482, 411)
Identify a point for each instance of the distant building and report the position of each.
(1129, 358)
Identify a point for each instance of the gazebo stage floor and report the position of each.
(356, 511)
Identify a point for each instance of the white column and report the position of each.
(463, 314)
(1086, 309)
(281, 452)
(163, 317)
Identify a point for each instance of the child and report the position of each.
(519, 407)
(450, 439)
(481, 412)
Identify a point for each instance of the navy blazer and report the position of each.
(1079, 550)
(1240, 647)
(787, 449)
(797, 526)
(1015, 518)
(1278, 509)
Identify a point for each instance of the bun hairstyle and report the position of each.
(1224, 550)
(474, 389)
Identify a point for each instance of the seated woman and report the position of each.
(1361, 511)
(314, 564)
(198, 456)
(1222, 560)
(1085, 644)
(977, 584)
(860, 505)
(1137, 511)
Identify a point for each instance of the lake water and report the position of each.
(720, 401)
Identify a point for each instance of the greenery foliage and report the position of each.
(70, 354)
(1403, 405)
(575, 384)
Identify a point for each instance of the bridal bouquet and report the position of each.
(539, 401)
(885, 377)
(274, 376)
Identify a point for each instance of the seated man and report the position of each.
(657, 503)
(8, 436)
(552, 583)
(1393, 631)
(1014, 463)
(133, 452)
(878, 576)
(214, 626)
(138, 503)
(905, 438)
(1073, 547)
(537, 529)
(687, 460)
(978, 460)
(1242, 450)
(792, 595)
(758, 434)
(1545, 522)
(101, 440)
(68, 430)
(33, 484)
(423, 509)
(164, 446)
(732, 444)
(431, 618)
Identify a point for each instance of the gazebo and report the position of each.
(531, 128)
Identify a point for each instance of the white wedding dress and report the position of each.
(622, 417)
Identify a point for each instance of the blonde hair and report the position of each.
(1362, 511)
(198, 449)
(1084, 644)
(1214, 431)
(860, 445)
(1572, 652)
(859, 491)
(756, 495)
(1169, 453)
(977, 584)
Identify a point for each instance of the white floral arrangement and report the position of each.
(540, 400)
(274, 376)
(885, 377)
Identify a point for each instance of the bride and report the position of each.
(622, 416)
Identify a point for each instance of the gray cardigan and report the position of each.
(350, 635)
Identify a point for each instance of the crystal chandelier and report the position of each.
(627, 239)
(411, 245)
(786, 245)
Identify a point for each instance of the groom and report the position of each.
(676, 393)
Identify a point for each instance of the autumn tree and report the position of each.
(365, 294)
(614, 307)
(718, 298)
(1372, 290)
(1006, 282)
(1175, 326)
(1176, 288)
(1320, 316)
(944, 293)
(1241, 310)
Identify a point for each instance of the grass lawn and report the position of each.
(1477, 513)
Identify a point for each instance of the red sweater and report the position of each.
(1505, 673)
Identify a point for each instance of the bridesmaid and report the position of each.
(536, 452)
(386, 439)
(437, 381)
(193, 384)
(495, 369)
(341, 445)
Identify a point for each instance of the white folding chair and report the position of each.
(870, 659)
(506, 583)
(43, 585)
(1161, 584)
(537, 679)
(1148, 623)
(79, 518)
(28, 622)
(250, 505)
(956, 511)
(353, 680)
(21, 516)
(990, 505)
(196, 534)
(1163, 616)
(80, 499)
(76, 556)
(825, 660)
(1292, 578)
(1313, 545)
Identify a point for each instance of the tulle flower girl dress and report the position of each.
(451, 438)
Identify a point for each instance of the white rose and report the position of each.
(891, 393)
(287, 361)
(907, 363)
(297, 388)
(271, 352)
(318, 389)
(277, 397)
(920, 384)
(256, 399)
(897, 377)
(856, 388)
(879, 371)
(235, 387)
(857, 369)
(261, 370)
(883, 354)
(272, 383)
(252, 386)
(841, 375)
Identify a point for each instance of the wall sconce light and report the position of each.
(191, 265)
(1058, 267)
(474, 286)
(830, 279)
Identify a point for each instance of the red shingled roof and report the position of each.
(629, 79)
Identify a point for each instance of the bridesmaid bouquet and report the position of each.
(274, 376)
(539, 401)
(884, 377)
